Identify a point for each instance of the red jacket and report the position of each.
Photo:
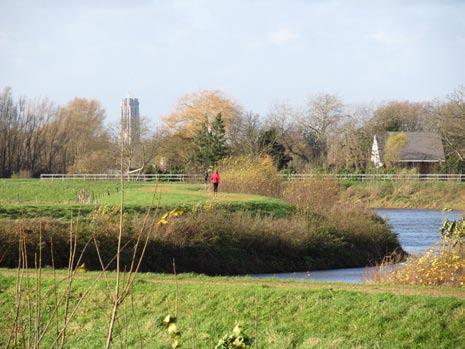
(215, 178)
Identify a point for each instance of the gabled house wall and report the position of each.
(375, 156)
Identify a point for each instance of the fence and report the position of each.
(172, 177)
(432, 177)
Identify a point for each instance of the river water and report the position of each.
(417, 229)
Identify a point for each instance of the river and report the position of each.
(417, 229)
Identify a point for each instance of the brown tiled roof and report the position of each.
(419, 146)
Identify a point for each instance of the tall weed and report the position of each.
(312, 195)
(250, 174)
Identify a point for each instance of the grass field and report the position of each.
(30, 198)
(276, 314)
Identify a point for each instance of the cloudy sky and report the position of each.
(256, 51)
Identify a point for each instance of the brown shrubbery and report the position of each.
(406, 194)
(312, 195)
(443, 264)
(210, 241)
(249, 174)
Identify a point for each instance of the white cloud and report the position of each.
(387, 39)
(283, 36)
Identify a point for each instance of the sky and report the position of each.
(258, 52)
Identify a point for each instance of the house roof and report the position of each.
(419, 146)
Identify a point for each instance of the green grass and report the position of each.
(276, 314)
(31, 198)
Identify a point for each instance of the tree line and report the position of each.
(38, 136)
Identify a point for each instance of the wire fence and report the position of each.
(181, 177)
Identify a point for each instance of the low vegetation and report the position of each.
(208, 240)
(273, 314)
(64, 199)
(251, 174)
(443, 264)
(302, 228)
(405, 194)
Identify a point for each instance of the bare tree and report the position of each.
(243, 134)
(450, 120)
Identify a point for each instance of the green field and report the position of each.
(276, 314)
(228, 239)
(31, 198)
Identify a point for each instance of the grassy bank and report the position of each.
(210, 240)
(36, 198)
(405, 194)
(275, 314)
(232, 233)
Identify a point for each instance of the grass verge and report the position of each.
(64, 199)
(405, 194)
(210, 240)
(275, 314)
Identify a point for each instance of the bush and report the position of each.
(312, 195)
(444, 265)
(440, 265)
(209, 241)
(249, 174)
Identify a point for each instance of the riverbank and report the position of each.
(228, 234)
(405, 194)
(65, 199)
(275, 314)
(207, 240)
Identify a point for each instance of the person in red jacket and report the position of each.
(215, 179)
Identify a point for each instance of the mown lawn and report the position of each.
(29, 198)
(276, 314)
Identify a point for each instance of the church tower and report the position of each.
(130, 121)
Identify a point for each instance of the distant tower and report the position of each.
(130, 121)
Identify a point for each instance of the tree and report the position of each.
(349, 147)
(393, 147)
(83, 131)
(203, 140)
(210, 143)
(270, 146)
(243, 135)
(321, 118)
(398, 116)
(450, 121)
(203, 106)
(218, 132)
(305, 132)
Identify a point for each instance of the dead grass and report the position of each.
(406, 194)
(440, 265)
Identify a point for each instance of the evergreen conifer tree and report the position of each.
(210, 143)
(268, 144)
(218, 132)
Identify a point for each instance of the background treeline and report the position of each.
(37, 136)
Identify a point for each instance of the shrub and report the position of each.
(312, 195)
(444, 265)
(209, 241)
(250, 174)
(393, 148)
(440, 265)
